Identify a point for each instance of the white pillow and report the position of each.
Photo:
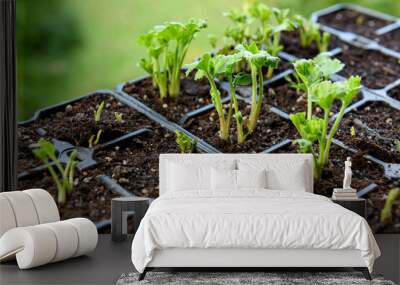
(281, 175)
(223, 179)
(251, 178)
(183, 176)
(230, 180)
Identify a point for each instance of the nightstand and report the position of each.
(121, 208)
(356, 205)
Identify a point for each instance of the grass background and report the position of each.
(67, 48)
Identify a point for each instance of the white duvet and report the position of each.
(250, 219)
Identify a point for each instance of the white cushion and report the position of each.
(223, 179)
(7, 218)
(281, 175)
(40, 244)
(251, 178)
(23, 208)
(26, 208)
(45, 205)
(191, 176)
(231, 180)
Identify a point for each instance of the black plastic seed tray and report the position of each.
(120, 89)
(371, 40)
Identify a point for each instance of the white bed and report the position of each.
(248, 227)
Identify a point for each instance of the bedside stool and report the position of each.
(120, 208)
(356, 205)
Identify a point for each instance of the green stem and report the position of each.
(216, 99)
(61, 196)
(323, 137)
(309, 103)
(239, 120)
(333, 131)
(256, 107)
(274, 52)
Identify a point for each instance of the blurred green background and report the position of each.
(67, 48)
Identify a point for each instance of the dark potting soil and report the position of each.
(26, 137)
(76, 122)
(376, 69)
(390, 40)
(375, 203)
(286, 98)
(134, 165)
(291, 43)
(353, 21)
(89, 199)
(395, 93)
(377, 131)
(194, 94)
(271, 129)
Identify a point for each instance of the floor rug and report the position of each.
(244, 278)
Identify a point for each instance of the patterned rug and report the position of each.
(243, 278)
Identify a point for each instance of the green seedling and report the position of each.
(256, 59)
(212, 67)
(316, 136)
(118, 117)
(64, 179)
(310, 32)
(185, 143)
(273, 22)
(95, 139)
(386, 213)
(353, 132)
(167, 46)
(98, 112)
(311, 71)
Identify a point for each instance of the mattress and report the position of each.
(250, 219)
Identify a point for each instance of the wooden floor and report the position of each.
(110, 259)
(103, 266)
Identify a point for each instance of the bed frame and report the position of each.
(237, 259)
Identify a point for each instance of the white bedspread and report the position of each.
(250, 219)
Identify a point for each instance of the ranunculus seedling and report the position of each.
(310, 32)
(185, 143)
(316, 137)
(167, 46)
(98, 112)
(273, 22)
(64, 179)
(386, 213)
(312, 71)
(257, 59)
(212, 67)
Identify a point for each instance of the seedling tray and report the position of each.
(87, 156)
(194, 95)
(379, 25)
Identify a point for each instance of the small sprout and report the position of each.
(185, 143)
(64, 179)
(386, 213)
(309, 33)
(167, 46)
(98, 112)
(353, 132)
(118, 117)
(93, 141)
